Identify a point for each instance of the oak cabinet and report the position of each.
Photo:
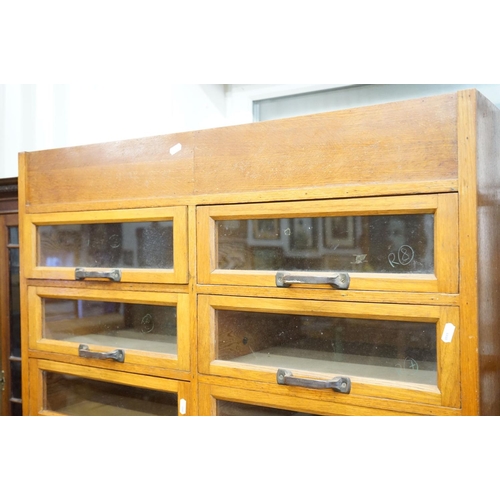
(336, 264)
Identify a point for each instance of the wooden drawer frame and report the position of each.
(139, 359)
(179, 274)
(443, 206)
(208, 394)
(446, 393)
(37, 390)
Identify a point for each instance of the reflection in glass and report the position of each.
(380, 244)
(389, 350)
(230, 409)
(77, 396)
(134, 326)
(143, 245)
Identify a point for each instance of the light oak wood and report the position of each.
(409, 142)
(25, 258)
(150, 370)
(355, 149)
(488, 255)
(437, 155)
(232, 389)
(326, 294)
(334, 191)
(213, 348)
(122, 174)
(8, 303)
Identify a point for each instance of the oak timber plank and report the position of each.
(407, 141)
(370, 402)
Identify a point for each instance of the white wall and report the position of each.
(45, 116)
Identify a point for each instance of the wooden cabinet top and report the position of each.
(396, 148)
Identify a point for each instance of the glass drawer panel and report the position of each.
(373, 244)
(143, 327)
(14, 303)
(400, 351)
(126, 245)
(231, 409)
(73, 395)
(13, 235)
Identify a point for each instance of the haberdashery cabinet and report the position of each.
(342, 263)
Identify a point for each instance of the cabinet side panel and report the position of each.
(123, 174)
(488, 217)
(410, 141)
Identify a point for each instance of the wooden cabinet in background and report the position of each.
(342, 263)
(10, 321)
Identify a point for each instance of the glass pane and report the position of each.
(77, 396)
(144, 245)
(389, 350)
(371, 244)
(15, 379)
(16, 409)
(134, 326)
(15, 318)
(13, 235)
(230, 409)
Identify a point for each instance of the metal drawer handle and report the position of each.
(337, 384)
(116, 355)
(112, 274)
(336, 280)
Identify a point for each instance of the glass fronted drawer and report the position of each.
(111, 328)
(400, 243)
(143, 246)
(64, 389)
(399, 352)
